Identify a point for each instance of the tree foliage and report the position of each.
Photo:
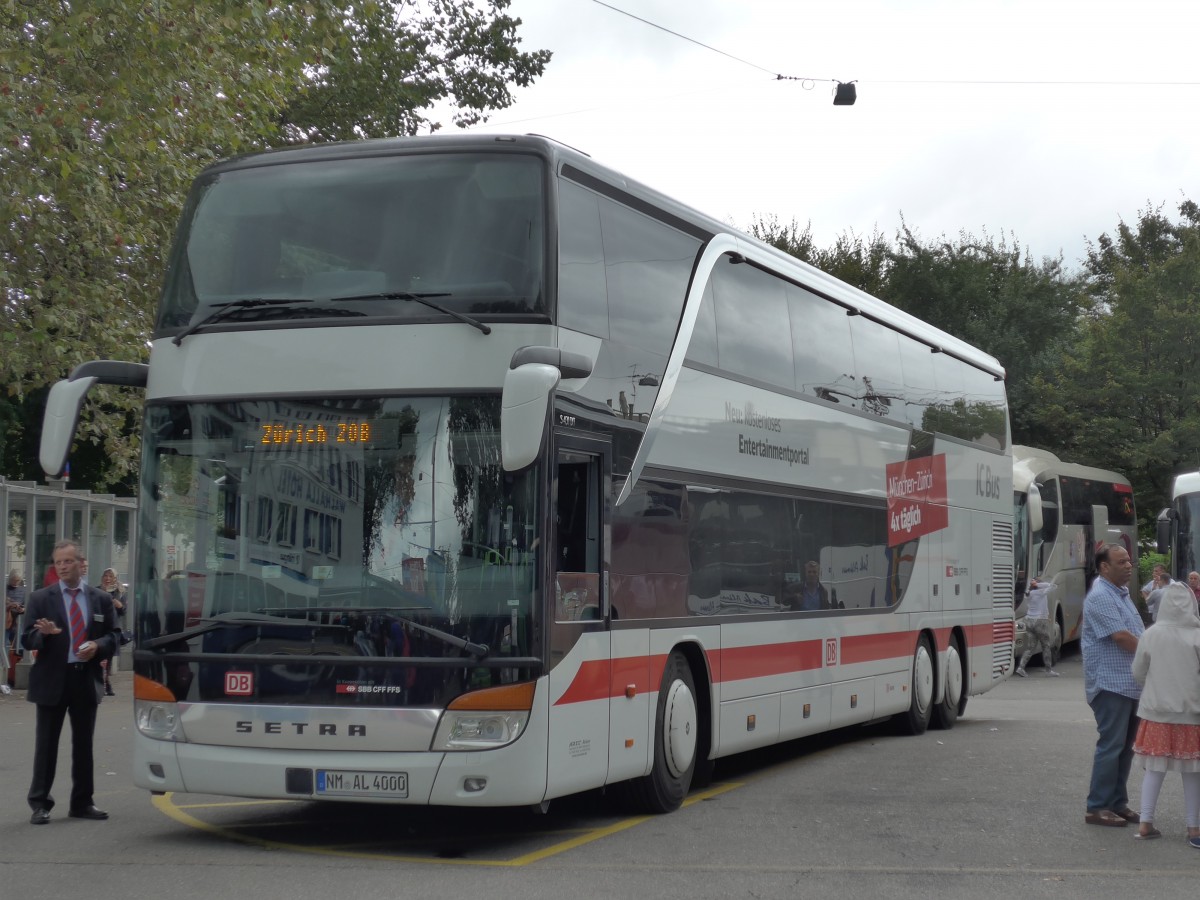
(109, 108)
(983, 291)
(1128, 396)
(392, 69)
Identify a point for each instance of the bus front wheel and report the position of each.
(676, 730)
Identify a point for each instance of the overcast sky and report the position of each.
(963, 121)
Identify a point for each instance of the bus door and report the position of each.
(580, 651)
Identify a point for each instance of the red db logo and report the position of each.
(831, 651)
(239, 684)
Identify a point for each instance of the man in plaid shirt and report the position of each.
(1111, 629)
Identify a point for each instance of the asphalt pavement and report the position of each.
(992, 808)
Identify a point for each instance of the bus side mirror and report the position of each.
(58, 425)
(523, 412)
(66, 400)
(1034, 505)
(1163, 527)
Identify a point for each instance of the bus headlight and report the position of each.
(155, 711)
(484, 720)
(158, 720)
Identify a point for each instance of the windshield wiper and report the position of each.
(423, 299)
(225, 310)
(231, 620)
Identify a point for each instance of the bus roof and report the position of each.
(1185, 483)
(1029, 463)
(560, 156)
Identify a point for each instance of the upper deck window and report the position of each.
(467, 229)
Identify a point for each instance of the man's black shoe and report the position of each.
(40, 817)
(88, 812)
(109, 692)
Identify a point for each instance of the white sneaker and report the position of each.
(5, 689)
(1050, 673)
(1021, 671)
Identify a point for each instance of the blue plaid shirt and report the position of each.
(1106, 667)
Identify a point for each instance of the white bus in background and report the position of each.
(504, 476)
(1179, 526)
(1061, 512)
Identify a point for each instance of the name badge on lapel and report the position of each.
(98, 617)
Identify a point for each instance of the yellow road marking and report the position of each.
(179, 812)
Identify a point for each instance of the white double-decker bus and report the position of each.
(497, 477)
(1061, 512)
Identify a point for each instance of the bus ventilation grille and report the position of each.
(1003, 628)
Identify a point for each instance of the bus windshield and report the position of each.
(270, 243)
(379, 529)
(1185, 557)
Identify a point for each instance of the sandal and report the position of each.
(1147, 835)
(1129, 815)
(1105, 817)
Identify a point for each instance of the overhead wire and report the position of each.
(781, 77)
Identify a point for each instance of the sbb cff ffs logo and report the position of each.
(986, 484)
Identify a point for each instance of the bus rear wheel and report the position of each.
(946, 713)
(920, 708)
(676, 730)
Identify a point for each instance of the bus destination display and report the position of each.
(278, 434)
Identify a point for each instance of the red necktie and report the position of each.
(78, 628)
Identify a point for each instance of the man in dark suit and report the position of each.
(72, 627)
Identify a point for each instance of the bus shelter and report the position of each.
(37, 516)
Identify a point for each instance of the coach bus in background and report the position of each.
(504, 477)
(1179, 526)
(1061, 512)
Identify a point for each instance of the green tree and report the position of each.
(1128, 396)
(980, 290)
(860, 261)
(109, 108)
(393, 68)
(993, 296)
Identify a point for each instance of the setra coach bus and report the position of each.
(475, 473)
(1061, 512)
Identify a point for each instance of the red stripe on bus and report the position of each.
(862, 648)
(591, 682)
(601, 679)
(740, 663)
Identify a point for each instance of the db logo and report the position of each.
(831, 651)
(239, 684)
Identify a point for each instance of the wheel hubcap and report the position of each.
(954, 677)
(923, 679)
(680, 727)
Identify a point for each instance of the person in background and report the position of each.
(1167, 665)
(1159, 569)
(1194, 584)
(1039, 629)
(14, 606)
(112, 587)
(1111, 629)
(1161, 582)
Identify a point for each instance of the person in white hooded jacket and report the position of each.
(1167, 664)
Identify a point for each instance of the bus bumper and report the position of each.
(508, 776)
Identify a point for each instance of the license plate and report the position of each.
(353, 783)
